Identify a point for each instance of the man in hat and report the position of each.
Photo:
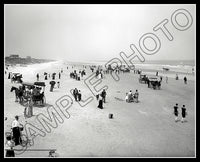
(16, 130)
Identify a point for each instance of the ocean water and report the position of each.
(175, 66)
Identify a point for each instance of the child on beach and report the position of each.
(176, 112)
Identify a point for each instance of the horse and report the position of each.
(18, 94)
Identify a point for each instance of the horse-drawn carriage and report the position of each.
(154, 82)
(30, 91)
(37, 94)
(16, 77)
(143, 78)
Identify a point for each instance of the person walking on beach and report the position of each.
(79, 95)
(176, 112)
(184, 113)
(130, 96)
(100, 102)
(136, 95)
(59, 75)
(28, 111)
(52, 83)
(103, 94)
(37, 77)
(75, 93)
(157, 73)
(185, 80)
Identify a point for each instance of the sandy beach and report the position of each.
(144, 129)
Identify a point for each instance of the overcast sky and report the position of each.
(93, 32)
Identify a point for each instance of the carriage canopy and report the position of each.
(40, 84)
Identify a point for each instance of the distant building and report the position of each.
(28, 58)
(14, 56)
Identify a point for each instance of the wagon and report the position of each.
(36, 96)
(143, 78)
(154, 82)
(17, 77)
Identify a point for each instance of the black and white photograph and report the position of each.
(99, 80)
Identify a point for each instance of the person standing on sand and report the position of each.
(37, 77)
(136, 95)
(100, 102)
(52, 83)
(75, 93)
(79, 95)
(28, 111)
(176, 112)
(184, 113)
(103, 94)
(157, 73)
(16, 130)
(59, 75)
(185, 80)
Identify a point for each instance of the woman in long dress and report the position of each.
(28, 112)
(100, 102)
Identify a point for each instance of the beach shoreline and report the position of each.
(146, 128)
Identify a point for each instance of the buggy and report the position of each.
(154, 82)
(17, 78)
(143, 78)
(36, 96)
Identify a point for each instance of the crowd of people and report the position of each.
(77, 94)
(77, 75)
(130, 97)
